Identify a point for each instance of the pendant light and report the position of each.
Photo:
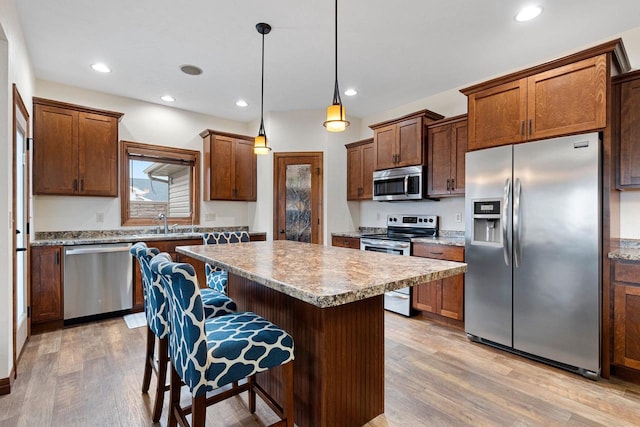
(336, 114)
(260, 146)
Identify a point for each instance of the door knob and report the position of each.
(282, 231)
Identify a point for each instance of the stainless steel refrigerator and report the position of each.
(533, 221)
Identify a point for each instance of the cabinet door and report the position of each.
(440, 155)
(626, 326)
(46, 284)
(569, 99)
(97, 155)
(629, 169)
(222, 168)
(409, 142)
(55, 151)
(384, 147)
(458, 152)
(425, 296)
(345, 242)
(244, 165)
(497, 115)
(354, 173)
(450, 297)
(367, 172)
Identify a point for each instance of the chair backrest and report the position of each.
(217, 277)
(187, 339)
(155, 301)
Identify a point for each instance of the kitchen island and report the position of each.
(331, 301)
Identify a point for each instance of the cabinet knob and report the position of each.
(453, 184)
(522, 127)
(448, 185)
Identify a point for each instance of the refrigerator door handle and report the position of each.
(505, 216)
(517, 223)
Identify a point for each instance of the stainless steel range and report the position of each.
(397, 241)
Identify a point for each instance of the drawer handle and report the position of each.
(437, 253)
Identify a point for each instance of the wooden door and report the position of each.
(222, 168)
(367, 172)
(630, 135)
(425, 296)
(297, 196)
(440, 157)
(569, 99)
(626, 326)
(354, 173)
(450, 297)
(46, 284)
(384, 141)
(409, 142)
(55, 151)
(459, 140)
(97, 155)
(245, 166)
(497, 115)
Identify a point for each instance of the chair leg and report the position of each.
(287, 373)
(148, 360)
(174, 397)
(252, 394)
(163, 359)
(199, 411)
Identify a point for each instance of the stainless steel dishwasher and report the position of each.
(97, 279)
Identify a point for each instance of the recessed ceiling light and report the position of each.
(350, 92)
(528, 13)
(168, 98)
(100, 67)
(192, 70)
(241, 103)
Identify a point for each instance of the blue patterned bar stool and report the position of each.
(217, 277)
(156, 312)
(207, 354)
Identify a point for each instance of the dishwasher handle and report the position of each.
(96, 250)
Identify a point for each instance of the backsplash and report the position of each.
(91, 234)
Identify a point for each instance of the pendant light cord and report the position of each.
(336, 91)
(261, 130)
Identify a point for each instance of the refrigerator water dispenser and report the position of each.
(486, 222)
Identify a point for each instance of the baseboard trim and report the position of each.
(5, 383)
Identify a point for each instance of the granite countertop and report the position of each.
(324, 276)
(450, 238)
(94, 237)
(626, 249)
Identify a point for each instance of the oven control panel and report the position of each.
(420, 221)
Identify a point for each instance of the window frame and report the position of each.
(159, 152)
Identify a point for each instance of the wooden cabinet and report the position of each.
(46, 285)
(446, 147)
(400, 142)
(626, 314)
(551, 101)
(345, 242)
(230, 167)
(360, 170)
(443, 297)
(75, 150)
(627, 130)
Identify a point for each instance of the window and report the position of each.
(159, 180)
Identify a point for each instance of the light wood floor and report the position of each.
(90, 375)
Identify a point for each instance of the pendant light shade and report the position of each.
(336, 113)
(260, 145)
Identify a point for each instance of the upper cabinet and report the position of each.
(360, 170)
(75, 150)
(627, 129)
(446, 147)
(229, 166)
(562, 97)
(400, 142)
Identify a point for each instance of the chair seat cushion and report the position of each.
(243, 344)
(216, 303)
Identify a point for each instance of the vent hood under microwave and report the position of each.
(405, 183)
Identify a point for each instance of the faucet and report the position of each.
(163, 217)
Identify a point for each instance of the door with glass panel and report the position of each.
(20, 224)
(298, 197)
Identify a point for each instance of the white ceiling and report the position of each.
(392, 52)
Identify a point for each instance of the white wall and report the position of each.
(14, 68)
(142, 122)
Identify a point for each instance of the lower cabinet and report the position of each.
(444, 297)
(346, 242)
(47, 306)
(626, 314)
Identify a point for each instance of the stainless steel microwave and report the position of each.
(398, 184)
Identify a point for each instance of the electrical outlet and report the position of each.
(210, 216)
(99, 216)
(458, 217)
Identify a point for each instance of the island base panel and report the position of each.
(339, 354)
